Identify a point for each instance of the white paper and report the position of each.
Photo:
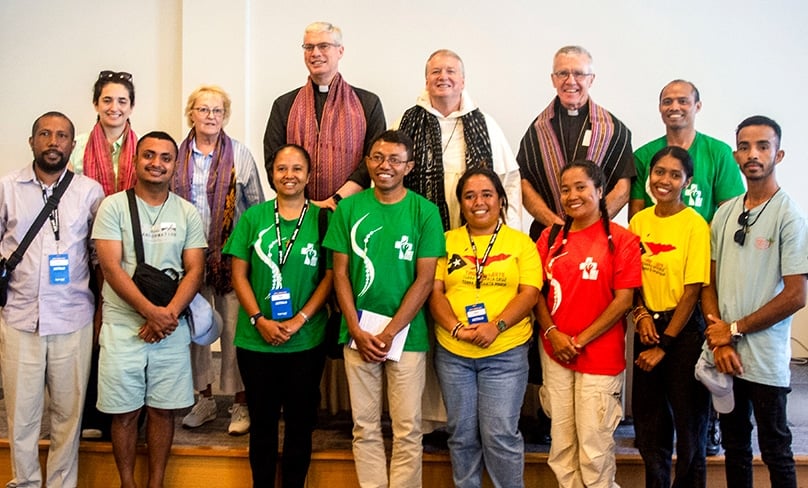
(375, 323)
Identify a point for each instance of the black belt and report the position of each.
(664, 317)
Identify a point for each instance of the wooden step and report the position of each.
(211, 466)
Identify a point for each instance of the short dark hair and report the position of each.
(696, 95)
(157, 134)
(54, 113)
(493, 177)
(761, 120)
(675, 152)
(107, 77)
(394, 137)
(270, 164)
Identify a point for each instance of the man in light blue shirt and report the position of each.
(759, 245)
(46, 326)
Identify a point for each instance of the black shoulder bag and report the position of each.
(7, 265)
(158, 286)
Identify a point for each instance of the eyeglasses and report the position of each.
(740, 234)
(205, 111)
(380, 158)
(115, 75)
(579, 76)
(323, 46)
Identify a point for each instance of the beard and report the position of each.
(51, 168)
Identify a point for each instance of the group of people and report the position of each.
(417, 233)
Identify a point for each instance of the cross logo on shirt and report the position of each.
(311, 255)
(589, 268)
(693, 195)
(404, 247)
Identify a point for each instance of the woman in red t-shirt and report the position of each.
(592, 267)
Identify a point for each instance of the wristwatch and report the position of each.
(733, 330)
(501, 325)
(254, 318)
(336, 197)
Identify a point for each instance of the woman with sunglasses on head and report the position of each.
(592, 267)
(484, 290)
(282, 278)
(106, 153)
(218, 175)
(666, 396)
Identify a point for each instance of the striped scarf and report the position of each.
(98, 163)
(221, 189)
(336, 144)
(426, 178)
(545, 158)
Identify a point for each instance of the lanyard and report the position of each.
(480, 264)
(54, 215)
(283, 255)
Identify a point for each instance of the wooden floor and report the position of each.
(229, 468)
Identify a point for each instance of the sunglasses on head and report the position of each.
(115, 75)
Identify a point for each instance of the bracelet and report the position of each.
(639, 311)
(305, 317)
(456, 329)
(642, 316)
(547, 332)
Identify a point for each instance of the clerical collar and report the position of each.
(579, 112)
(319, 88)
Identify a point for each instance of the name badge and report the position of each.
(587, 139)
(280, 301)
(476, 313)
(59, 267)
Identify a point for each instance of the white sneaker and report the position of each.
(91, 434)
(239, 420)
(203, 412)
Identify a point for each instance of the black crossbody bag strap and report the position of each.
(135, 216)
(49, 207)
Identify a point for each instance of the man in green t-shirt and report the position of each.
(386, 242)
(716, 177)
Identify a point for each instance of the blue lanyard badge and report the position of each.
(280, 301)
(476, 313)
(59, 269)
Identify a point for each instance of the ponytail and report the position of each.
(604, 218)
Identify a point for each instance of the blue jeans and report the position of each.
(669, 398)
(483, 400)
(774, 436)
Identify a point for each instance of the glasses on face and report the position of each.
(392, 160)
(323, 46)
(205, 111)
(740, 234)
(577, 75)
(115, 75)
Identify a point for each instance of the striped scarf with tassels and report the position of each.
(336, 144)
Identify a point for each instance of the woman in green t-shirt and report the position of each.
(281, 281)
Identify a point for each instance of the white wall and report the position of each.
(745, 56)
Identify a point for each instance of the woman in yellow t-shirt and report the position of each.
(485, 288)
(670, 327)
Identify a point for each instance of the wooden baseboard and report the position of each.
(230, 468)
